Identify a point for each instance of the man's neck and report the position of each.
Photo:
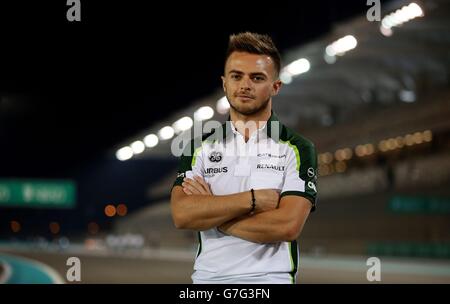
(248, 124)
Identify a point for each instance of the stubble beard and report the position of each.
(249, 110)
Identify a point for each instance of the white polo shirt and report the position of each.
(274, 157)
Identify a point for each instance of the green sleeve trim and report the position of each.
(199, 244)
(302, 194)
(297, 154)
(293, 259)
(194, 157)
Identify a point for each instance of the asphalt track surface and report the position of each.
(169, 266)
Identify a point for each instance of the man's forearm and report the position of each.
(283, 224)
(265, 227)
(202, 212)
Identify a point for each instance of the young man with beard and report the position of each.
(249, 186)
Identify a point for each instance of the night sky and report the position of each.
(71, 91)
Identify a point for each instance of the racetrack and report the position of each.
(175, 266)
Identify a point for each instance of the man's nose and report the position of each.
(246, 83)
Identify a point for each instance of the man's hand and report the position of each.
(196, 186)
(266, 199)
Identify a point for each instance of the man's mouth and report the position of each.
(245, 96)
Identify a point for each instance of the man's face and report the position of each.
(250, 81)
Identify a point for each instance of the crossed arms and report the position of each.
(194, 207)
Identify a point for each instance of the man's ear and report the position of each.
(276, 86)
(223, 83)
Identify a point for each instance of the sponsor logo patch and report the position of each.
(216, 170)
(215, 157)
(269, 166)
(270, 155)
(312, 186)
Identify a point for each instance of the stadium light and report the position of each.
(138, 147)
(151, 140)
(110, 210)
(182, 124)
(400, 16)
(407, 96)
(339, 48)
(203, 113)
(295, 68)
(427, 136)
(124, 153)
(122, 210)
(223, 106)
(298, 67)
(166, 133)
(285, 77)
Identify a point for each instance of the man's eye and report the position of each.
(235, 77)
(258, 78)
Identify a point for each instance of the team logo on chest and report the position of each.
(215, 157)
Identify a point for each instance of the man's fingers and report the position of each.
(190, 187)
(187, 191)
(203, 183)
(196, 185)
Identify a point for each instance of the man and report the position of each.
(250, 185)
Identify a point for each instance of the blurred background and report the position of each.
(89, 111)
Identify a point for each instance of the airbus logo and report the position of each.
(216, 170)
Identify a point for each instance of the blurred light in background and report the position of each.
(400, 16)
(407, 96)
(295, 68)
(138, 147)
(427, 136)
(340, 166)
(151, 140)
(339, 48)
(64, 242)
(182, 124)
(386, 31)
(93, 228)
(15, 226)
(124, 153)
(110, 210)
(54, 227)
(122, 210)
(343, 154)
(223, 106)
(203, 113)
(285, 77)
(408, 140)
(166, 133)
(364, 150)
(298, 67)
(325, 158)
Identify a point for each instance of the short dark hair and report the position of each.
(254, 43)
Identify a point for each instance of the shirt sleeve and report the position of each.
(190, 163)
(301, 172)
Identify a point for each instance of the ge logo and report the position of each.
(311, 172)
(215, 157)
